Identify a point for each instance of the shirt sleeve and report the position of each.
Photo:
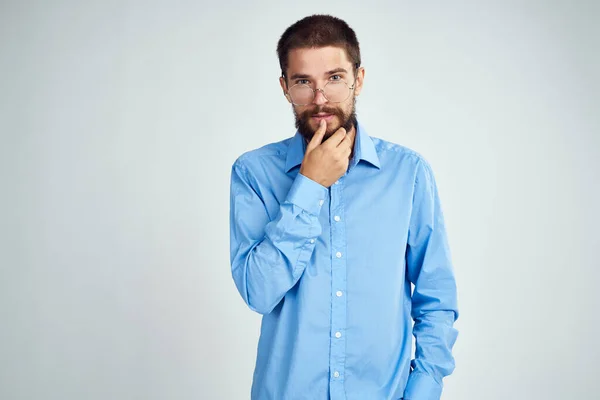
(268, 257)
(434, 298)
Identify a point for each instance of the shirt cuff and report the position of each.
(307, 194)
(421, 386)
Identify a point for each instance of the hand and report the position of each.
(325, 162)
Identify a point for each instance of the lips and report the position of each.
(326, 117)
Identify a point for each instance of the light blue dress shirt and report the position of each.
(330, 270)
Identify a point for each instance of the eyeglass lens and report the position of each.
(334, 91)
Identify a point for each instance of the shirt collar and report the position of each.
(364, 149)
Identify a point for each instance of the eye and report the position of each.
(302, 81)
(339, 76)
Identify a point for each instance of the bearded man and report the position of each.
(338, 240)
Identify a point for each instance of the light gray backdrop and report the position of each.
(119, 123)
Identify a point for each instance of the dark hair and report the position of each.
(318, 31)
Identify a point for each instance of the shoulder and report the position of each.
(399, 156)
(265, 153)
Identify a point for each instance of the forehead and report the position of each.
(316, 61)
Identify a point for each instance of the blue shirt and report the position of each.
(331, 270)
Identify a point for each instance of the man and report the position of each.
(329, 229)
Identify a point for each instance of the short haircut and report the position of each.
(319, 30)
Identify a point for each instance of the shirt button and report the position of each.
(337, 218)
(338, 293)
(337, 182)
(338, 254)
(321, 202)
(312, 240)
(336, 374)
(338, 334)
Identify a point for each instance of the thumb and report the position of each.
(317, 138)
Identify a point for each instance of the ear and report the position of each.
(360, 77)
(283, 85)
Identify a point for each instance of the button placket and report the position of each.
(338, 287)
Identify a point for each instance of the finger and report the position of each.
(347, 140)
(336, 138)
(318, 136)
(351, 137)
(345, 148)
(352, 134)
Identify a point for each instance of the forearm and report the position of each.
(435, 337)
(268, 257)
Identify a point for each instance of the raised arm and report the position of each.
(268, 257)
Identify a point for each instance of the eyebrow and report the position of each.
(304, 76)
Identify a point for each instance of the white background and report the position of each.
(120, 120)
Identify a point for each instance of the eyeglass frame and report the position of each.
(350, 89)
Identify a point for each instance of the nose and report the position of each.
(319, 98)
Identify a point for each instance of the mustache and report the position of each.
(326, 110)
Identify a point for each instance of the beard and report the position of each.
(303, 120)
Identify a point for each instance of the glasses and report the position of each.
(338, 91)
